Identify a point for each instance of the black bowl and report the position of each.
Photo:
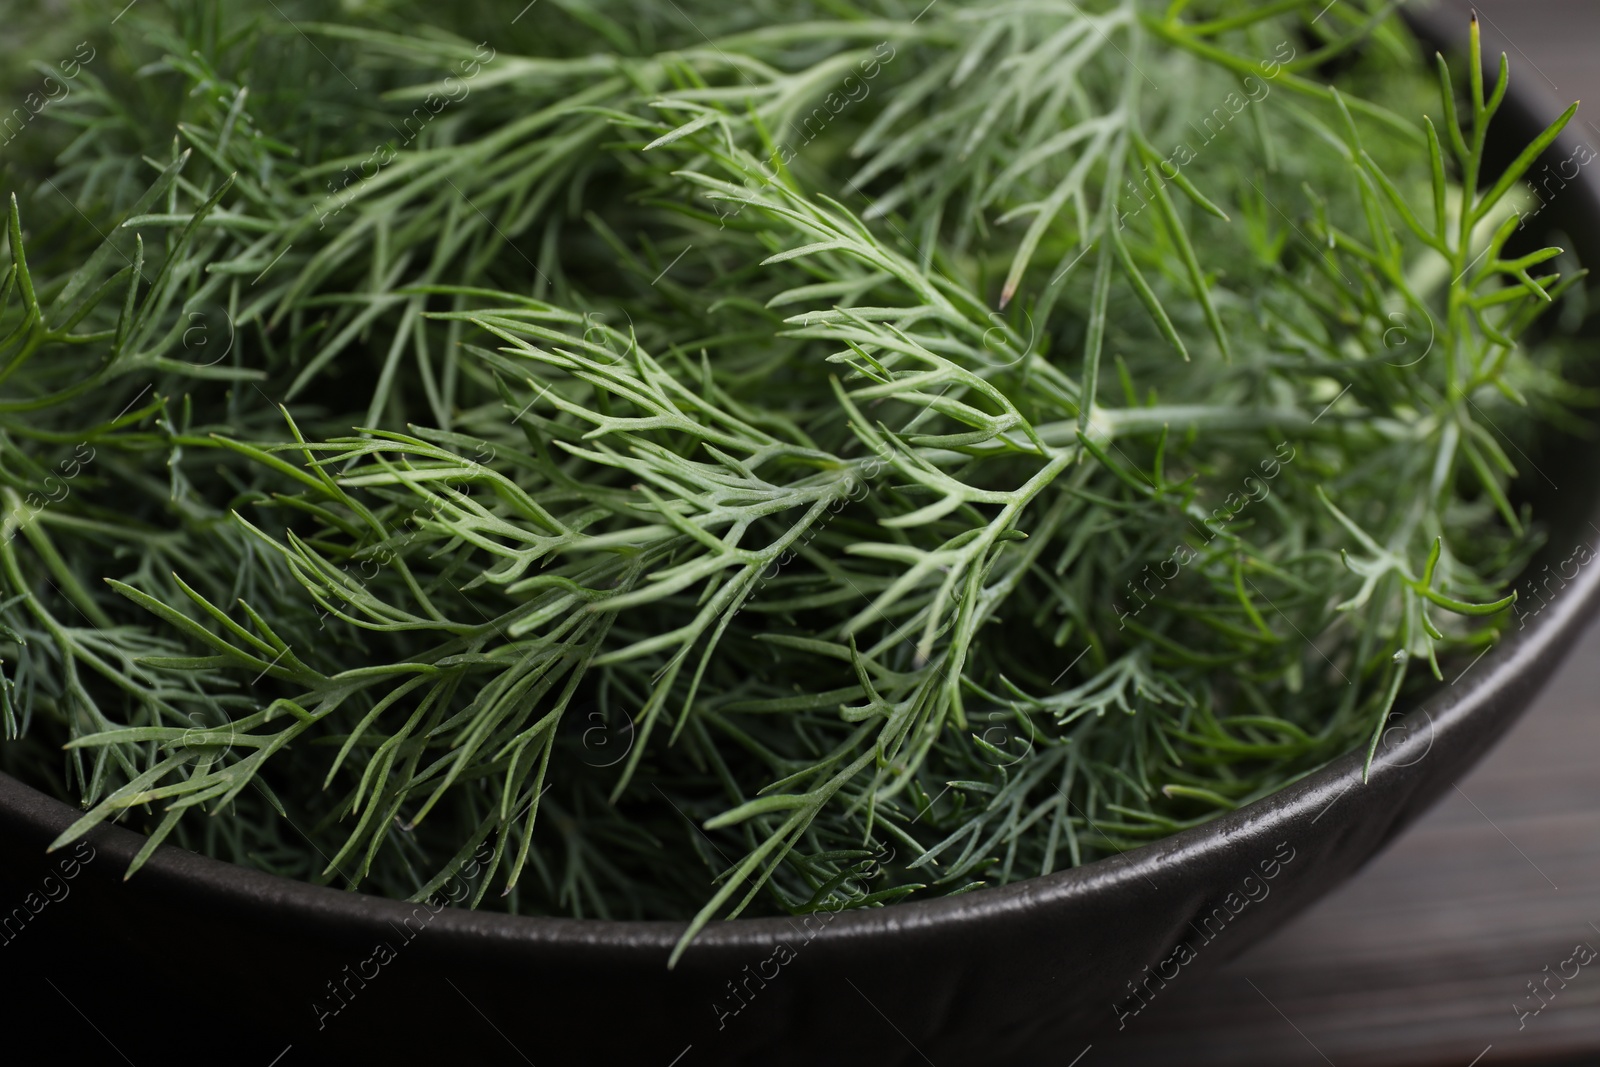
(1029, 972)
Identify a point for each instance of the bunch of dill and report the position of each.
(735, 457)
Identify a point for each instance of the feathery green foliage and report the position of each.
(710, 452)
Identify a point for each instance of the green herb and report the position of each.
(726, 460)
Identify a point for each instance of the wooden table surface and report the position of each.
(1431, 955)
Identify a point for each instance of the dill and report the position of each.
(725, 460)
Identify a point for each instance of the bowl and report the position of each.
(1031, 972)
